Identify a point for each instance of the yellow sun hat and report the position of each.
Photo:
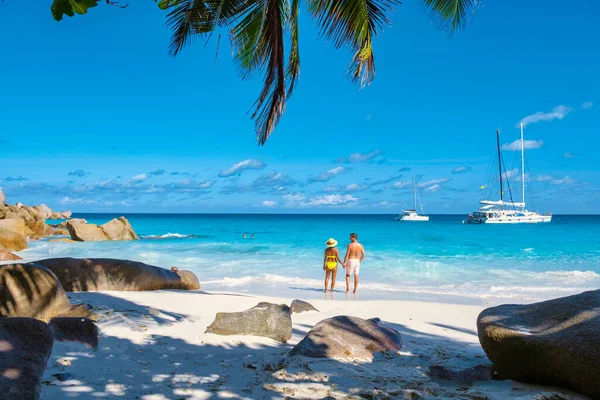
(331, 242)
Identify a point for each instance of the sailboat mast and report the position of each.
(523, 165)
(499, 163)
(415, 193)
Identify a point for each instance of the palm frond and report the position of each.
(188, 18)
(258, 41)
(452, 15)
(293, 67)
(353, 23)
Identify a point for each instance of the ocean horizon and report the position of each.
(442, 260)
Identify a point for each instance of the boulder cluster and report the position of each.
(20, 223)
(35, 310)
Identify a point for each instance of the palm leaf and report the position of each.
(452, 15)
(189, 18)
(293, 67)
(258, 41)
(353, 23)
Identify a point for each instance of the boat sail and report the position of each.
(503, 211)
(412, 215)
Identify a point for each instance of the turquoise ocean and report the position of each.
(439, 260)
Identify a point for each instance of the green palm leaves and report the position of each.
(261, 30)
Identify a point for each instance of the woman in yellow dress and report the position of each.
(330, 262)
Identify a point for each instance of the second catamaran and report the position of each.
(411, 215)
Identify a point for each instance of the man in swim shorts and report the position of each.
(355, 253)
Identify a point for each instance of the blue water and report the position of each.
(440, 259)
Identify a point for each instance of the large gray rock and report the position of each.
(264, 319)
(119, 229)
(28, 290)
(94, 274)
(12, 234)
(554, 342)
(25, 346)
(348, 337)
(70, 329)
(299, 306)
(85, 232)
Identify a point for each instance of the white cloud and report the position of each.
(432, 182)
(567, 180)
(568, 154)
(401, 184)
(140, 177)
(543, 178)
(587, 104)
(558, 112)
(269, 203)
(332, 200)
(205, 184)
(461, 170)
(359, 157)
(510, 173)
(327, 175)
(236, 169)
(75, 200)
(433, 188)
(529, 144)
(293, 199)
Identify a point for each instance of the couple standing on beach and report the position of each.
(355, 253)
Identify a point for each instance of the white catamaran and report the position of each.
(507, 212)
(411, 215)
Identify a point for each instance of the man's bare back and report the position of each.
(355, 250)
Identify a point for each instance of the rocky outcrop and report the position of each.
(348, 337)
(40, 228)
(6, 255)
(43, 212)
(80, 330)
(115, 229)
(265, 319)
(554, 342)
(28, 222)
(25, 346)
(299, 306)
(93, 274)
(63, 240)
(119, 229)
(28, 290)
(12, 234)
(85, 232)
(2, 197)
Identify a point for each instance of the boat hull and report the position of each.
(526, 219)
(413, 218)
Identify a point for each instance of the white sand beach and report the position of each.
(153, 346)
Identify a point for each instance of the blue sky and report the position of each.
(95, 116)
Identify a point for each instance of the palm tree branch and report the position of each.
(452, 15)
(293, 67)
(353, 23)
(259, 41)
(189, 18)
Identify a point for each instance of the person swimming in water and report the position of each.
(330, 263)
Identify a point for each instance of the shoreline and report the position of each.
(153, 346)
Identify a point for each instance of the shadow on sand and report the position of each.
(159, 366)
